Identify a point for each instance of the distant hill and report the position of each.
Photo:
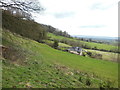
(96, 37)
(101, 39)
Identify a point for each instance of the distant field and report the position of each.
(64, 45)
(91, 44)
(40, 53)
(100, 46)
(106, 55)
(60, 44)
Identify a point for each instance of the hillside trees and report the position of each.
(13, 13)
(26, 28)
(21, 8)
(42, 35)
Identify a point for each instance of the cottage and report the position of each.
(75, 50)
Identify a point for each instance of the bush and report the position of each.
(55, 44)
(105, 85)
(88, 82)
(97, 56)
(94, 55)
(89, 53)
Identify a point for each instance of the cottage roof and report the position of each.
(75, 49)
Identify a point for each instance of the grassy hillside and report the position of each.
(90, 44)
(38, 65)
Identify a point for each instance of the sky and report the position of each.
(81, 17)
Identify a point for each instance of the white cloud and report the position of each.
(70, 15)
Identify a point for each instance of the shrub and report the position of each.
(55, 44)
(105, 85)
(88, 82)
(89, 53)
(94, 55)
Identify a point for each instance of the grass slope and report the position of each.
(47, 67)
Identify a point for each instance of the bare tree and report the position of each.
(23, 7)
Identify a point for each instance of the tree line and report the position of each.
(56, 31)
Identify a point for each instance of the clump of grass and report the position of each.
(88, 82)
(104, 85)
(80, 79)
(85, 79)
(15, 55)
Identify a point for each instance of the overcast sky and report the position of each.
(81, 17)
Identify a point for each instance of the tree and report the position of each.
(90, 40)
(55, 44)
(42, 36)
(22, 7)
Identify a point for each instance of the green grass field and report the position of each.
(64, 45)
(91, 44)
(48, 67)
(106, 55)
